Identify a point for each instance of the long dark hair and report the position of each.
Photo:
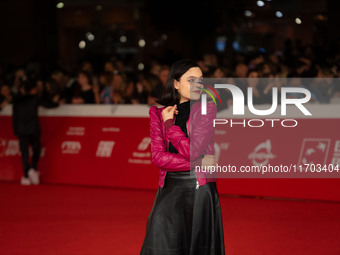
(171, 95)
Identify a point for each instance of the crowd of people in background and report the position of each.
(117, 84)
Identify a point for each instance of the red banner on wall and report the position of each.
(115, 151)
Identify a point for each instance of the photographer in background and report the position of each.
(27, 127)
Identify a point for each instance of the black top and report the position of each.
(25, 113)
(2, 98)
(88, 96)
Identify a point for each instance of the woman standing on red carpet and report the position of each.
(186, 216)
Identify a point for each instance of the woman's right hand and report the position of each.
(168, 112)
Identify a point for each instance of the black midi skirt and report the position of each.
(184, 220)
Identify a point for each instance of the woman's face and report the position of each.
(40, 85)
(218, 73)
(5, 91)
(82, 79)
(108, 67)
(130, 89)
(253, 79)
(117, 80)
(184, 88)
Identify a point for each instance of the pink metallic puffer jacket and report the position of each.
(200, 135)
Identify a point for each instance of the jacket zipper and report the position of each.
(188, 129)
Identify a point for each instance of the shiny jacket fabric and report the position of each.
(190, 149)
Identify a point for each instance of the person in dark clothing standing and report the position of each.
(26, 127)
(83, 93)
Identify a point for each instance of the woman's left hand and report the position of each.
(209, 160)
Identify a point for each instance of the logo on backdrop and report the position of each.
(262, 154)
(142, 156)
(144, 144)
(70, 147)
(78, 131)
(336, 154)
(104, 149)
(11, 148)
(314, 151)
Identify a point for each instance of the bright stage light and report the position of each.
(260, 3)
(298, 21)
(248, 13)
(278, 14)
(141, 43)
(60, 5)
(140, 66)
(89, 36)
(82, 45)
(123, 39)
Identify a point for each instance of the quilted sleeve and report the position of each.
(160, 156)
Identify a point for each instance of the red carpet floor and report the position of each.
(57, 219)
